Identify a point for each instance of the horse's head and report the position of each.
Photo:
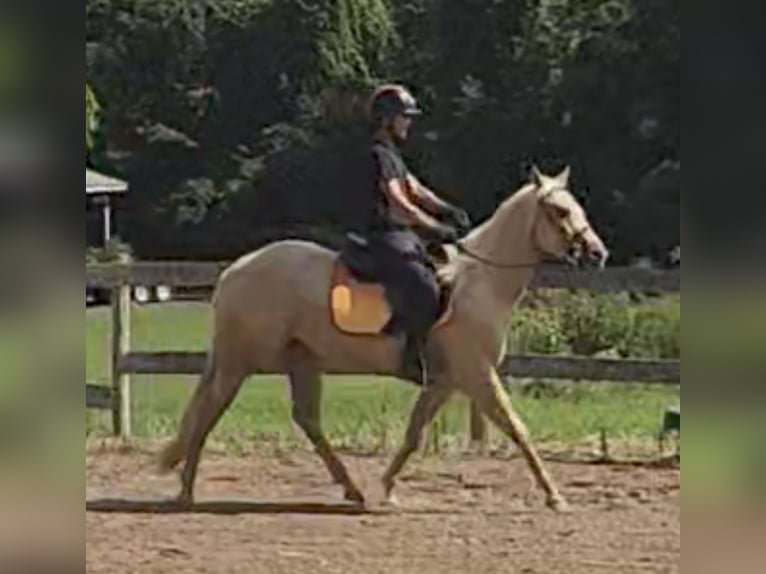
(562, 229)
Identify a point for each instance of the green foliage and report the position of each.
(359, 413)
(593, 323)
(655, 331)
(232, 115)
(584, 324)
(537, 331)
(354, 38)
(115, 250)
(91, 117)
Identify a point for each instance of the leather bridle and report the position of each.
(573, 238)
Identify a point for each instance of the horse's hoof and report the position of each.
(184, 501)
(391, 501)
(559, 504)
(353, 495)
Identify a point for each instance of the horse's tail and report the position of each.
(175, 451)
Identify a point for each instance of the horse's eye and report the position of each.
(560, 211)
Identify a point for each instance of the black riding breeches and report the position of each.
(411, 286)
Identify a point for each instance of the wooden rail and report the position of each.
(520, 366)
(98, 397)
(120, 277)
(205, 274)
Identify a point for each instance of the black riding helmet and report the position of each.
(391, 100)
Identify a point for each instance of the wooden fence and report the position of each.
(125, 362)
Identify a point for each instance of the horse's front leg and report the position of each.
(426, 408)
(488, 393)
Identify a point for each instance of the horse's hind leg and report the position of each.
(428, 404)
(175, 451)
(306, 389)
(493, 401)
(211, 400)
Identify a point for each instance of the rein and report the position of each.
(465, 251)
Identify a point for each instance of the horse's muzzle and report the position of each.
(580, 256)
(595, 258)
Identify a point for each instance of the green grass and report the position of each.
(358, 412)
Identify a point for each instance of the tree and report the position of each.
(232, 116)
(91, 118)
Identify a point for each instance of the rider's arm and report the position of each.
(391, 177)
(397, 195)
(425, 197)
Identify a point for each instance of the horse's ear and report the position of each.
(542, 181)
(563, 178)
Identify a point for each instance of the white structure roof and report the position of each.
(99, 183)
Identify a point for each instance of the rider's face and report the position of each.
(400, 127)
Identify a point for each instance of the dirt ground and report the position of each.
(280, 514)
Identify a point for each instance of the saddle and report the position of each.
(358, 300)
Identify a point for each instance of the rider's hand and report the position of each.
(444, 233)
(460, 218)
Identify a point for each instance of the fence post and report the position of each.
(120, 346)
(478, 428)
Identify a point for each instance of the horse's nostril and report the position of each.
(598, 256)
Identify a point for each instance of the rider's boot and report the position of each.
(412, 366)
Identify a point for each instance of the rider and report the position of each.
(404, 210)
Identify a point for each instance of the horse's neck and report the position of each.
(507, 239)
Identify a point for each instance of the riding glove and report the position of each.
(443, 234)
(460, 218)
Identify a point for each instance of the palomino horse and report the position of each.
(273, 313)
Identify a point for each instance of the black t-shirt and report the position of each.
(387, 164)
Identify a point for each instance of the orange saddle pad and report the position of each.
(358, 307)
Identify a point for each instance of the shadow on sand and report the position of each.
(223, 507)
